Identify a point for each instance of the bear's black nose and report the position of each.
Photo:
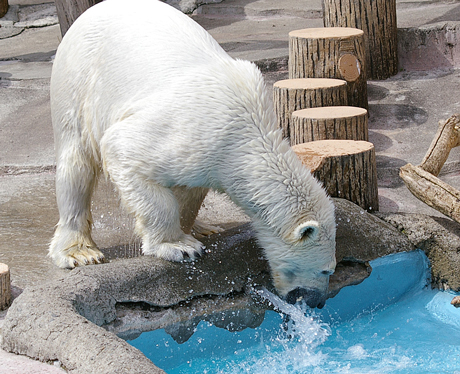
(313, 298)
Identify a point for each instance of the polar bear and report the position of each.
(146, 95)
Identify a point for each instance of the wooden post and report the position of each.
(69, 10)
(346, 168)
(334, 122)
(331, 52)
(3, 7)
(422, 180)
(290, 95)
(5, 287)
(377, 18)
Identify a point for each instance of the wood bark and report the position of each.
(69, 10)
(5, 287)
(377, 18)
(334, 122)
(290, 95)
(331, 52)
(446, 138)
(3, 7)
(346, 168)
(432, 190)
(422, 180)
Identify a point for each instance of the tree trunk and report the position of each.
(334, 122)
(377, 18)
(331, 52)
(5, 287)
(346, 168)
(290, 95)
(69, 10)
(3, 7)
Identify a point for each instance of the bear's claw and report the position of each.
(78, 256)
(187, 248)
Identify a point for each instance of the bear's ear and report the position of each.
(306, 231)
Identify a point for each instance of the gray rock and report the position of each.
(361, 237)
(439, 238)
(188, 6)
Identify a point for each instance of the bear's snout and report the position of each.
(313, 298)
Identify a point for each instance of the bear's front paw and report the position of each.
(78, 255)
(185, 249)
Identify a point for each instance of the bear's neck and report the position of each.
(268, 181)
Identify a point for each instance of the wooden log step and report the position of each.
(346, 168)
(377, 18)
(331, 52)
(3, 7)
(5, 287)
(333, 122)
(290, 95)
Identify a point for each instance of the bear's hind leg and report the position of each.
(72, 244)
(155, 207)
(190, 200)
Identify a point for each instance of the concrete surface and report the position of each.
(404, 111)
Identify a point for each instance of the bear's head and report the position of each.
(303, 258)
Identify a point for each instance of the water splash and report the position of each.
(292, 350)
(301, 322)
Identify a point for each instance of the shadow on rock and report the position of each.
(376, 92)
(381, 142)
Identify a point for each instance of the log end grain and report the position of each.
(310, 83)
(333, 148)
(349, 67)
(326, 33)
(331, 112)
(5, 287)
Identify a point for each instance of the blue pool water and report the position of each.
(390, 323)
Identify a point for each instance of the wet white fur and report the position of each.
(146, 94)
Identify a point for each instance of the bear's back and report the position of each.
(151, 62)
(145, 32)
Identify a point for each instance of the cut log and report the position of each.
(432, 190)
(290, 95)
(335, 122)
(422, 180)
(446, 138)
(5, 287)
(331, 52)
(346, 168)
(3, 7)
(69, 10)
(377, 18)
